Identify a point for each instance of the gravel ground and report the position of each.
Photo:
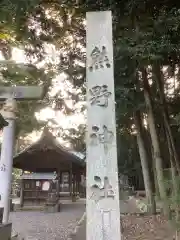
(146, 228)
(138, 228)
(47, 226)
(34, 225)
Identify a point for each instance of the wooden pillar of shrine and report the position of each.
(70, 181)
(78, 184)
(21, 193)
(74, 187)
(58, 185)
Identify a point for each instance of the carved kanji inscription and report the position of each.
(101, 189)
(99, 95)
(99, 59)
(3, 168)
(106, 224)
(104, 137)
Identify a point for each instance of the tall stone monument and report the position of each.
(103, 210)
(9, 111)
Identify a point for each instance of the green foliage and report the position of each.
(33, 25)
(16, 174)
(128, 155)
(21, 74)
(144, 32)
(173, 199)
(76, 137)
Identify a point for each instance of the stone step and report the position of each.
(23, 238)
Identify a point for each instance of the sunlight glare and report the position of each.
(18, 56)
(61, 86)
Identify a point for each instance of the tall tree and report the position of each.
(144, 162)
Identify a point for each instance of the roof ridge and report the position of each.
(49, 137)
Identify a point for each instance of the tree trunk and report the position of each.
(174, 161)
(158, 76)
(156, 190)
(155, 184)
(155, 142)
(144, 163)
(175, 187)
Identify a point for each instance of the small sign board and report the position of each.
(22, 92)
(45, 186)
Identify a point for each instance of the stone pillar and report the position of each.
(6, 163)
(102, 200)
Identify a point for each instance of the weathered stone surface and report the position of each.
(52, 208)
(11, 206)
(52, 198)
(5, 231)
(14, 235)
(81, 233)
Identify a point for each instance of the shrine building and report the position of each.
(49, 167)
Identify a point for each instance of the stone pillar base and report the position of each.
(81, 232)
(11, 206)
(74, 198)
(5, 231)
(52, 208)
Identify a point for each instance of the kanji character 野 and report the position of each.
(99, 95)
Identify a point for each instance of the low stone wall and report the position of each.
(5, 231)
